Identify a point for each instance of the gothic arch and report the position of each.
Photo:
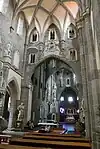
(15, 83)
(10, 103)
(32, 32)
(69, 64)
(71, 28)
(21, 16)
(54, 21)
(56, 29)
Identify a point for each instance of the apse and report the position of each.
(69, 106)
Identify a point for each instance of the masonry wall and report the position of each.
(8, 35)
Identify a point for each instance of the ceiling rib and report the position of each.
(28, 4)
(36, 9)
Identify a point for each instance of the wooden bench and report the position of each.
(68, 139)
(53, 134)
(3, 146)
(51, 144)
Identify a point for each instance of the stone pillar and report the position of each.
(2, 96)
(92, 79)
(29, 103)
(10, 118)
(40, 51)
(24, 99)
(3, 89)
(84, 75)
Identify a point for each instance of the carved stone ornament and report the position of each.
(8, 51)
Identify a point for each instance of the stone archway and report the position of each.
(39, 101)
(72, 66)
(10, 103)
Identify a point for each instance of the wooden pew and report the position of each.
(54, 134)
(3, 146)
(68, 139)
(51, 144)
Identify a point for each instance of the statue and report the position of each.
(8, 50)
(20, 112)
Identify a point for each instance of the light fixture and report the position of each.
(70, 99)
(62, 110)
(62, 99)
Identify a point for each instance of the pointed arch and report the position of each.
(34, 35)
(14, 80)
(71, 31)
(52, 33)
(48, 21)
(21, 23)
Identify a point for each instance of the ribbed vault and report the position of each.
(63, 12)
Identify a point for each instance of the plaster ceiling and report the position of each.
(42, 10)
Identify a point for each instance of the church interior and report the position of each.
(49, 74)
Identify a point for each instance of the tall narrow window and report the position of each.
(68, 82)
(34, 36)
(52, 34)
(71, 32)
(16, 59)
(1, 5)
(31, 58)
(20, 26)
(73, 55)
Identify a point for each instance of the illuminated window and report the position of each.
(20, 26)
(68, 82)
(62, 99)
(77, 98)
(9, 103)
(70, 99)
(1, 5)
(16, 59)
(78, 111)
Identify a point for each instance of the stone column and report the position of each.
(24, 99)
(29, 103)
(93, 85)
(84, 74)
(3, 89)
(10, 118)
(2, 98)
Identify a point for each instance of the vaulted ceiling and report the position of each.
(43, 11)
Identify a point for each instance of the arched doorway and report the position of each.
(49, 80)
(68, 108)
(10, 103)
